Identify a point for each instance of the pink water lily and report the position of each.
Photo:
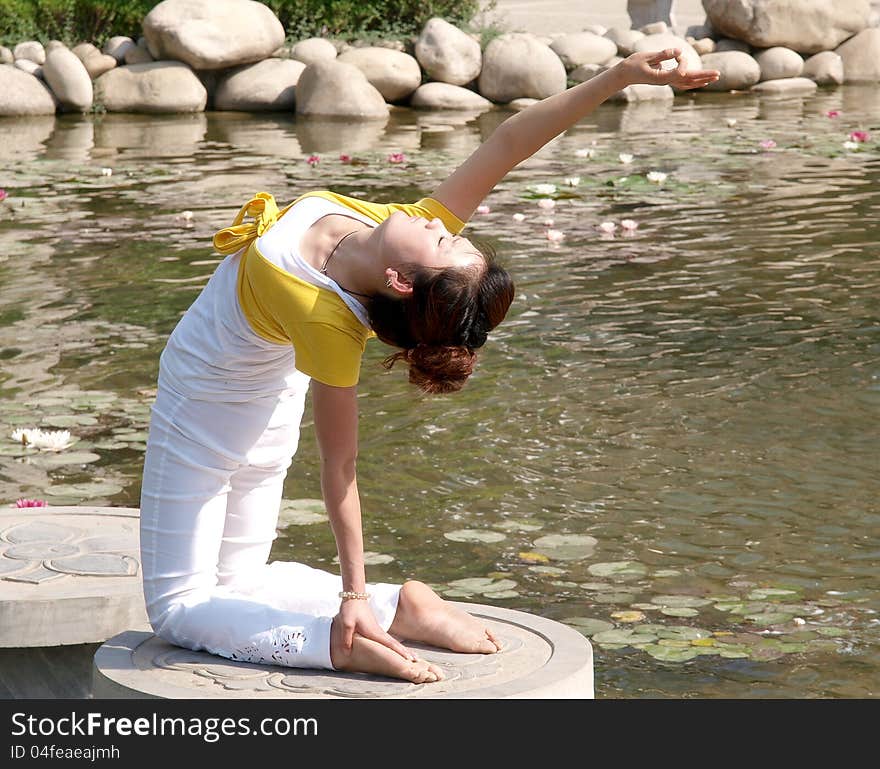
(833, 113)
(767, 144)
(483, 209)
(343, 158)
(555, 236)
(519, 217)
(2, 194)
(629, 225)
(313, 160)
(547, 203)
(396, 157)
(31, 503)
(860, 136)
(608, 228)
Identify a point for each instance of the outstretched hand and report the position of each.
(357, 617)
(646, 68)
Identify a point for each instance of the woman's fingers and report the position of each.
(664, 55)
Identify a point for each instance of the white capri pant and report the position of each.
(211, 495)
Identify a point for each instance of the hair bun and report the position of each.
(437, 369)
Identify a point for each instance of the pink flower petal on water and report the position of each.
(2, 194)
(519, 217)
(483, 209)
(832, 113)
(629, 224)
(767, 144)
(31, 503)
(343, 158)
(555, 236)
(607, 227)
(547, 203)
(860, 136)
(396, 157)
(313, 160)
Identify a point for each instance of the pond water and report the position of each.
(671, 443)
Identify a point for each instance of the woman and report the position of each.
(295, 300)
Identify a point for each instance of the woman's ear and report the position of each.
(398, 282)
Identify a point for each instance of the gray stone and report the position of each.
(138, 54)
(583, 48)
(704, 45)
(448, 96)
(6, 56)
(518, 105)
(117, 47)
(699, 31)
(790, 86)
(313, 50)
(59, 565)
(738, 70)
(29, 66)
(654, 28)
(596, 29)
(643, 92)
(157, 87)
(540, 659)
(336, 89)
(23, 94)
(861, 57)
(84, 50)
(69, 80)
(53, 45)
(586, 72)
(212, 34)
(268, 85)
(643, 12)
(394, 74)
(624, 39)
(516, 65)
(729, 44)
(667, 40)
(824, 68)
(32, 50)
(779, 62)
(806, 26)
(98, 64)
(447, 54)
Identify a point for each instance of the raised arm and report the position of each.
(523, 134)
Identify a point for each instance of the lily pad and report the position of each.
(614, 637)
(769, 618)
(474, 535)
(69, 458)
(678, 611)
(619, 569)
(680, 601)
(552, 571)
(765, 593)
(84, 491)
(589, 625)
(683, 632)
(533, 557)
(618, 598)
(69, 420)
(733, 654)
(628, 616)
(566, 547)
(671, 654)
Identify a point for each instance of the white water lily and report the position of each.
(549, 222)
(850, 145)
(49, 440)
(546, 203)
(543, 189)
(573, 181)
(629, 224)
(185, 216)
(555, 236)
(519, 217)
(625, 158)
(731, 121)
(106, 171)
(607, 227)
(658, 177)
(585, 153)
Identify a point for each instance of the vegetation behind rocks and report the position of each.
(74, 21)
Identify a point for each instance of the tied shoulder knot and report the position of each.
(264, 212)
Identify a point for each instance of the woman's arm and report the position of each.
(523, 134)
(336, 429)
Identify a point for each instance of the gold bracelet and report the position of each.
(355, 595)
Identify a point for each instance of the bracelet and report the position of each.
(352, 594)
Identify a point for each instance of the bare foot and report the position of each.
(424, 616)
(368, 656)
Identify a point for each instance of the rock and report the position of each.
(6, 56)
(645, 12)
(643, 92)
(739, 71)
(699, 31)
(69, 80)
(84, 50)
(313, 50)
(654, 28)
(861, 57)
(117, 47)
(268, 85)
(596, 29)
(824, 68)
(23, 94)
(447, 54)
(790, 86)
(704, 45)
(586, 72)
(212, 34)
(806, 26)
(156, 87)
(31, 67)
(624, 39)
(518, 105)
(729, 44)
(448, 96)
(53, 45)
(138, 54)
(583, 48)
(778, 62)
(98, 64)
(392, 73)
(32, 50)
(667, 40)
(336, 89)
(516, 65)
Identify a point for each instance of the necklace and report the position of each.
(330, 256)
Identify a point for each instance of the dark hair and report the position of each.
(448, 315)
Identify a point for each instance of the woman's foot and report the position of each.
(368, 656)
(424, 616)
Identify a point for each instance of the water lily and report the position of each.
(832, 113)
(519, 217)
(31, 503)
(607, 227)
(483, 209)
(548, 222)
(860, 136)
(106, 171)
(343, 158)
(2, 194)
(585, 153)
(185, 216)
(543, 189)
(573, 181)
(629, 225)
(396, 157)
(625, 158)
(51, 440)
(546, 203)
(658, 177)
(313, 160)
(731, 121)
(555, 236)
(850, 145)
(767, 144)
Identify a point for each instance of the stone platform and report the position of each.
(540, 659)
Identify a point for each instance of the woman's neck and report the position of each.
(338, 246)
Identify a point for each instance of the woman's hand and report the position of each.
(645, 68)
(357, 617)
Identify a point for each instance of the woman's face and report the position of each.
(413, 239)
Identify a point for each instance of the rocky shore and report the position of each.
(231, 55)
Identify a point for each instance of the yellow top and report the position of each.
(328, 339)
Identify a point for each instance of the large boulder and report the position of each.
(668, 40)
(447, 54)
(789, 86)
(69, 80)
(23, 94)
(824, 68)
(32, 50)
(212, 34)
(98, 64)
(738, 71)
(6, 56)
(624, 39)
(339, 90)
(807, 26)
(313, 50)
(861, 57)
(139, 54)
(516, 65)
(31, 67)
(268, 85)
(447, 96)
(779, 62)
(392, 73)
(117, 47)
(583, 48)
(157, 87)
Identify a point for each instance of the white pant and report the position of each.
(211, 494)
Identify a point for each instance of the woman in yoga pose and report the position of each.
(292, 304)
